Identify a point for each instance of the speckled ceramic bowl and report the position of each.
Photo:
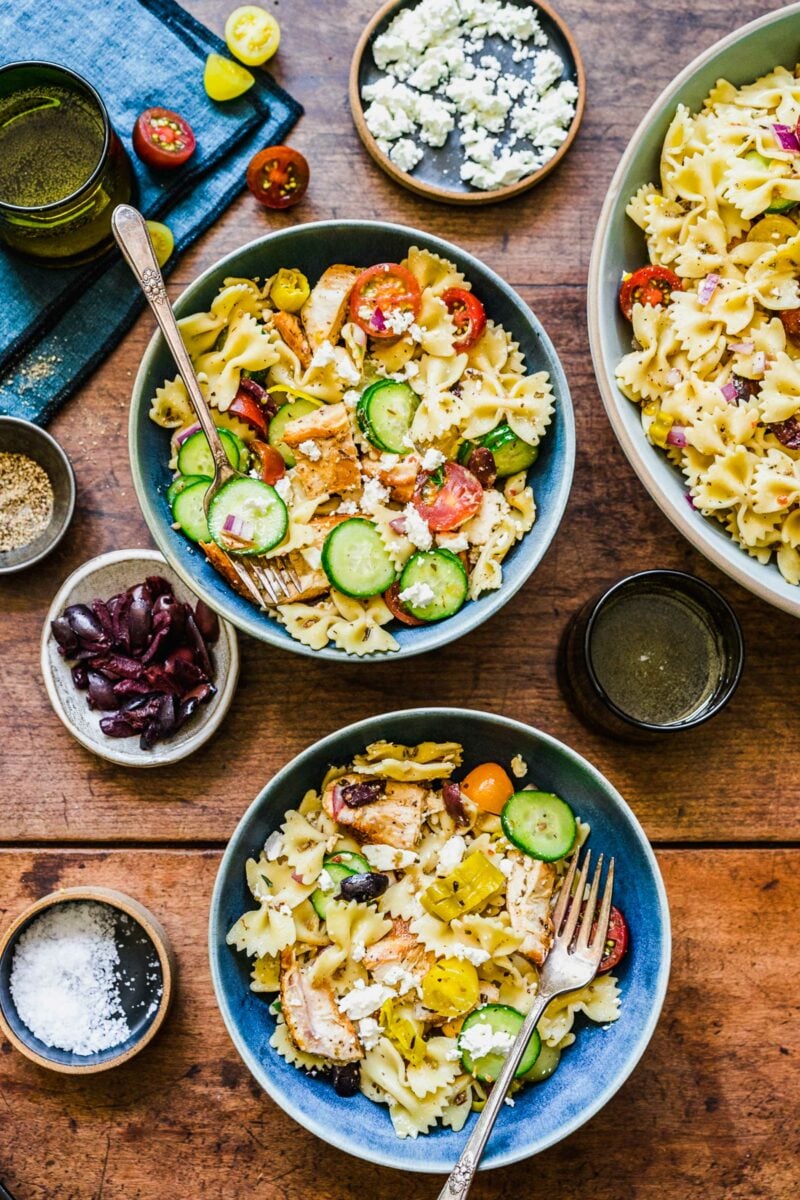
(590, 1071)
(312, 248)
(23, 437)
(619, 246)
(105, 576)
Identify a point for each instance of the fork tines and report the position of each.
(269, 581)
(571, 909)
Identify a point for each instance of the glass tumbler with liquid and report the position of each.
(63, 169)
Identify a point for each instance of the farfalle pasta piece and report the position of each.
(779, 394)
(170, 407)
(432, 272)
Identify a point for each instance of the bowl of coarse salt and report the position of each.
(86, 980)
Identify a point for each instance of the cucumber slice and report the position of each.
(321, 899)
(258, 505)
(188, 511)
(349, 858)
(179, 485)
(355, 559)
(539, 824)
(777, 206)
(289, 412)
(500, 1019)
(385, 412)
(545, 1065)
(244, 453)
(443, 573)
(194, 456)
(510, 453)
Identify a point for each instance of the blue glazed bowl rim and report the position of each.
(715, 545)
(531, 551)
(368, 729)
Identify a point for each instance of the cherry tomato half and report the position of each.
(447, 497)
(392, 601)
(616, 941)
(648, 285)
(488, 786)
(790, 318)
(161, 138)
(469, 316)
(278, 176)
(247, 409)
(252, 34)
(385, 300)
(271, 464)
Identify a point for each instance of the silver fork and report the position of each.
(572, 963)
(268, 581)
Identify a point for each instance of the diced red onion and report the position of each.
(759, 363)
(787, 138)
(674, 377)
(677, 436)
(690, 500)
(729, 392)
(183, 434)
(746, 346)
(398, 524)
(707, 287)
(378, 321)
(238, 527)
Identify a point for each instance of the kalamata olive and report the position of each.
(354, 795)
(100, 610)
(787, 432)
(481, 463)
(207, 622)
(745, 388)
(83, 622)
(366, 886)
(80, 677)
(140, 622)
(101, 692)
(64, 633)
(196, 638)
(453, 803)
(116, 726)
(346, 1080)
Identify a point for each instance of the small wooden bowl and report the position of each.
(144, 949)
(364, 71)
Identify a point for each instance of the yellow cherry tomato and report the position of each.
(489, 787)
(224, 79)
(775, 229)
(162, 239)
(451, 987)
(252, 34)
(290, 290)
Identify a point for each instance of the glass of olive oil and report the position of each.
(657, 652)
(63, 169)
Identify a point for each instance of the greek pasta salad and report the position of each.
(400, 921)
(715, 363)
(386, 425)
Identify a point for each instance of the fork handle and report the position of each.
(130, 230)
(460, 1178)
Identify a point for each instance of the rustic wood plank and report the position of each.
(708, 1112)
(714, 783)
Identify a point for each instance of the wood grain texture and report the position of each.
(710, 1112)
(714, 783)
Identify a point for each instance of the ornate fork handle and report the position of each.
(460, 1179)
(130, 230)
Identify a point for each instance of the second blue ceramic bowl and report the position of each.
(312, 248)
(590, 1071)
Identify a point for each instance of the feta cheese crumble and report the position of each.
(418, 595)
(311, 450)
(451, 854)
(397, 976)
(374, 493)
(273, 846)
(480, 1039)
(283, 487)
(369, 1032)
(472, 954)
(347, 508)
(363, 1001)
(432, 459)
(325, 881)
(387, 858)
(417, 528)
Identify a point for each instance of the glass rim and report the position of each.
(734, 644)
(96, 97)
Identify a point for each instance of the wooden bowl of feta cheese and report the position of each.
(470, 102)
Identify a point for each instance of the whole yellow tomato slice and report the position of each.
(252, 34)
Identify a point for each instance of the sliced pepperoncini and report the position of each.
(403, 1032)
(466, 889)
(451, 987)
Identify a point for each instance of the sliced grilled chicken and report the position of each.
(399, 947)
(312, 1016)
(329, 464)
(394, 819)
(528, 896)
(290, 329)
(325, 310)
(399, 479)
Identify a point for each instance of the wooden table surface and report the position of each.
(712, 1109)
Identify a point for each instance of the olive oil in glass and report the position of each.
(62, 167)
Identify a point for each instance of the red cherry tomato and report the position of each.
(392, 601)
(385, 300)
(648, 285)
(469, 316)
(162, 138)
(249, 410)
(278, 176)
(447, 497)
(616, 941)
(271, 464)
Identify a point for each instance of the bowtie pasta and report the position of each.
(389, 427)
(716, 316)
(401, 918)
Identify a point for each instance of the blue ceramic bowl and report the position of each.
(619, 246)
(589, 1073)
(312, 248)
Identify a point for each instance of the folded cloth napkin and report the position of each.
(57, 325)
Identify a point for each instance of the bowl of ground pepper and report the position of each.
(37, 494)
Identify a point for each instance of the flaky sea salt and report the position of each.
(64, 979)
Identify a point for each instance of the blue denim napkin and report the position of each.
(57, 325)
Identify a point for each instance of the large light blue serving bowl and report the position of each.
(590, 1071)
(619, 246)
(312, 248)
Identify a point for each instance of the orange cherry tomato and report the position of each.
(270, 462)
(385, 300)
(278, 176)
(488, 786)
(398, 610)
